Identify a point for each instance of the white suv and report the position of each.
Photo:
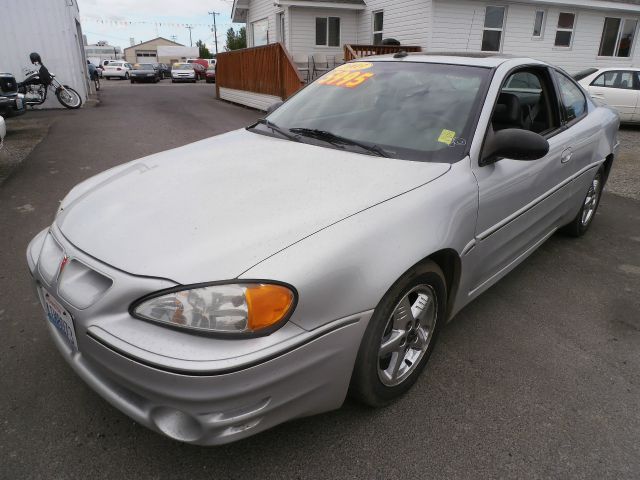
(117, 69)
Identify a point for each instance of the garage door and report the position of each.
(146, 59)
(149, 56)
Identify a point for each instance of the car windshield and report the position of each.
(182, 66)
(408, 110)
(143, 66)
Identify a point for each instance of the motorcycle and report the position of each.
(37, 82)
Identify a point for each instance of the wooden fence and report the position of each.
(266, 70)
(352, 52)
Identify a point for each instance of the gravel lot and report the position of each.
(625, 176)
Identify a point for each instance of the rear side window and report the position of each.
(573, 101)
(622, 80)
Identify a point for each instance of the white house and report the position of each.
(574, 34)
(51, 28)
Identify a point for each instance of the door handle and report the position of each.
(566, 156)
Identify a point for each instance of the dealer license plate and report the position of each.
(60, 318)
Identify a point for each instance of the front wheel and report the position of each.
(400, 336)
(68, 97)
(126, 76)
(581, 223)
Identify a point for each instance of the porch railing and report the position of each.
(352, 52)
(267, 70)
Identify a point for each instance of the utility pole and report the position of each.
(173, 38)
(190, 40)
(215, 30)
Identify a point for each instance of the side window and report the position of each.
(524, 80)
(525, 102)
(573, 101)
(622, 80)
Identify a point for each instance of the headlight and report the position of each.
(238, 308)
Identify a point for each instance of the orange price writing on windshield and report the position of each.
(347, 79)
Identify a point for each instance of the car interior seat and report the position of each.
(508, 112)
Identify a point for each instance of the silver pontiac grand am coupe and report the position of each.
(216, 290)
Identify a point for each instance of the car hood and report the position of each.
(213, 209)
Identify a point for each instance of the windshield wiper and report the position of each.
(275, 128)
(339, 140)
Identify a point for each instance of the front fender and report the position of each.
(347, 268)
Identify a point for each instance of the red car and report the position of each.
(211, 74)
(200, 71)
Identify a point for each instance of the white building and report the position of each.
(102, 51)
(574, 34)
(51, 28)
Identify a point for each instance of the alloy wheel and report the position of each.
(591, 201)
(407, 335)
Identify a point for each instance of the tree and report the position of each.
(236, 40)
(203, 50)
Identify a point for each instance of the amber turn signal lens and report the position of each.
(267, 305)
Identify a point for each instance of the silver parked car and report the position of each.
(322, 249)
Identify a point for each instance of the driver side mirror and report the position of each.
(513, 143)
(274, 107)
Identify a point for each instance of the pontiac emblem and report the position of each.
(63, 263)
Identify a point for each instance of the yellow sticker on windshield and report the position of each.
(345, 78)
(354, 66)
(446, 136)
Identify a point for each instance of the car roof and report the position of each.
(475, 59)
(609, 69)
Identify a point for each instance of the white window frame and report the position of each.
(544, 22)
(373, 25)
(280, 23)
(572, 30)
(623, 20)
(501, 30)
(253, 37)
(326, 45)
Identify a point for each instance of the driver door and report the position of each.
(520, 202)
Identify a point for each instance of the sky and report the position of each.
(116, 21)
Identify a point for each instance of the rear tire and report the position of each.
(400, 336)
(583, 220)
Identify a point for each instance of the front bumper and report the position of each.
(143, 78)
(180, 78)
(250, 386)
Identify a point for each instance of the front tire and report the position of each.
(400, 336)
(126, 76)
(69, 98)
(583, 220)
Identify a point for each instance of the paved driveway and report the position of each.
(539, 378)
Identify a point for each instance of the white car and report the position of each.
(117, 69)
(617, 87)
(183, 72)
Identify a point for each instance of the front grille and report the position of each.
(8, 84)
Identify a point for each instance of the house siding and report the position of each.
(408, 21)
(458, 26)
(302, 31)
